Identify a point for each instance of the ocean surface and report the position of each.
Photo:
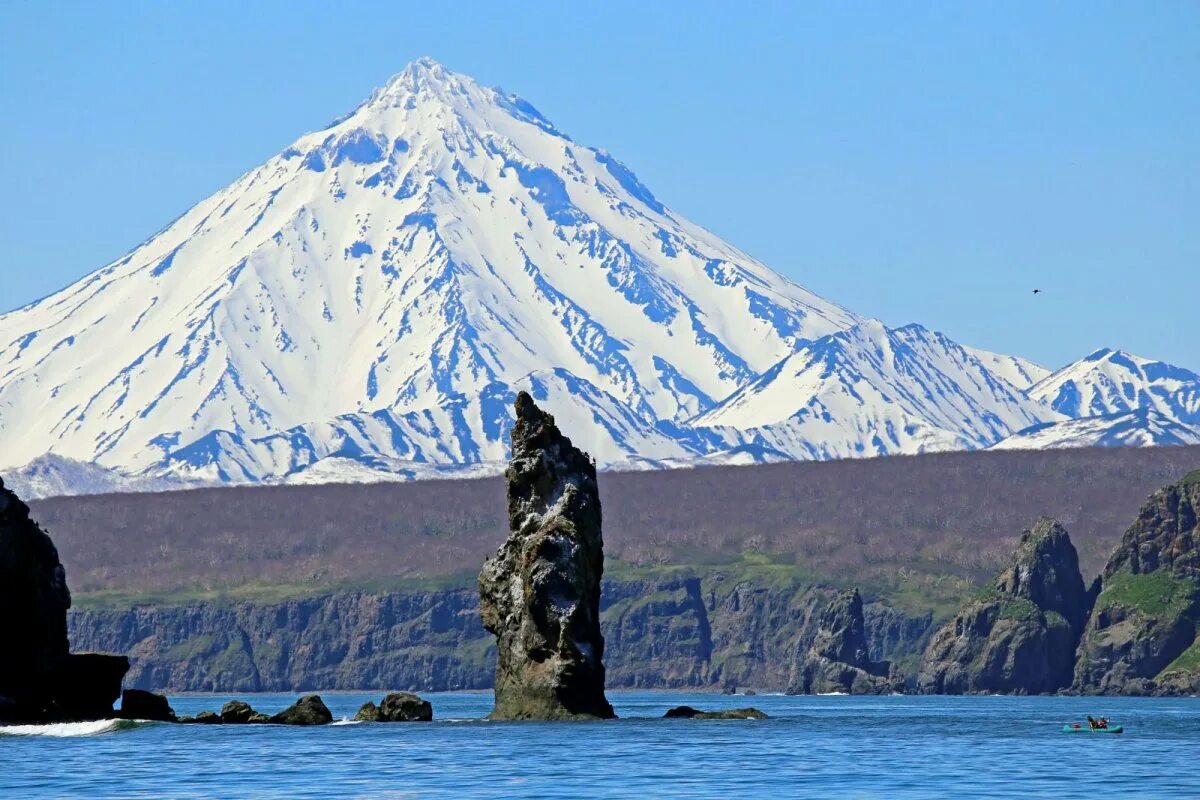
(837, 747)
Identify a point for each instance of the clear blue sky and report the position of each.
(927, 162)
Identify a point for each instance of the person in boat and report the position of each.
(1102, 724)
(1092, 724)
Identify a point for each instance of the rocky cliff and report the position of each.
(1143, 636)
(540, 594)
(839, 658)
(1019, 635)
(40, 680)
(710, 631)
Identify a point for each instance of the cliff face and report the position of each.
(40, 680)
(540, 593)
(702, 632)
(1143, 636)
(1019, 635)
(839, 659)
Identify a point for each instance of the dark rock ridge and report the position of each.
(687, 712)
(1143, 635)
(397, 707)
(40, 680)
(1019, 635)
(839, 659)
(540, 593)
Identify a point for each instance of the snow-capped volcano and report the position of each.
(382, 285)
(365, 304)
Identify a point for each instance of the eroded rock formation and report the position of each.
(687, 712)
(1144, 635)
(397, 707)
(1019, 635)
(540, 593)
(40, 680)
(839, 658)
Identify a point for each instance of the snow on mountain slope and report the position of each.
(1110, 381)
(375, 288)
(1141, 428)
(871, 390)
(1020, 372)
(53, 476)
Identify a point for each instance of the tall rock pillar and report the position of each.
(540, 593)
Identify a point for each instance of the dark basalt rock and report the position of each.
(1019, 635)
(203, 718)
(140, 704)
(687, 712)
(237, 712)
(396, 707)
(40, 681)
(405, 707)
(1144, 636)
(367, 712)
(540, 593)
(308, 710)
(839, 658)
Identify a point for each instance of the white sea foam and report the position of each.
(67, 728)
(347, 721)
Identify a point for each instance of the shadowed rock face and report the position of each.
(839, 659)
(1020, 635)
(40, 680)
(34, 598)
(540, 593)
(1144, 637)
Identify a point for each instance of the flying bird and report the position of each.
(1037, 291)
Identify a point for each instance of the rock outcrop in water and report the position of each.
(140, 704)
(1019, 635)
(397, 707)
(839, 658)
(687, 712)
(40, 680)
(308, 710)
(1144, 635)
(540, 593)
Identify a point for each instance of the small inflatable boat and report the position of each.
(1086, 729)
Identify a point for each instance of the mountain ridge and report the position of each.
(369, 300)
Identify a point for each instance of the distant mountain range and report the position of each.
(365, 305)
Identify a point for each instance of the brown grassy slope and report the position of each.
(874, 522)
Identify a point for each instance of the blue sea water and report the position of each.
(838, 747)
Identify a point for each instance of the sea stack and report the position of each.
(540, 593)
(40, 680)
(1018, 636)
(1144, 636)
(838, 660)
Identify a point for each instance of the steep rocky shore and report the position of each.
(839, 659)
(40, 679)
(710, 632)
(1019, 635)
(1144, 636)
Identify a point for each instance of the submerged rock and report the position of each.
(1144, 635)
(203, 718)
(40, 680)
(308, 710)
(1019, 635)
(839, 659)
(687, 712)
(540, 593)
(140, 704)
